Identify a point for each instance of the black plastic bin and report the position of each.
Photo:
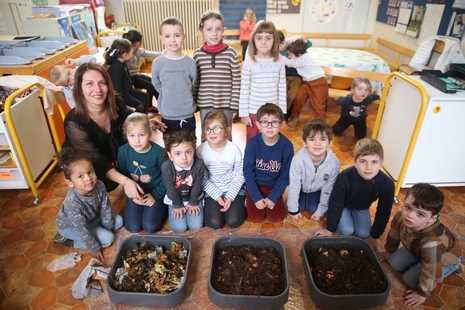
(147, 299)
(326, 301)
(248, 301)
(433, 77)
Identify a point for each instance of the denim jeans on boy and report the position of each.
(150, 219)
(403, 260)
(188, 221)
(309, 201)
(356, 222)
(104, 236)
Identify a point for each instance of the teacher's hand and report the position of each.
(158, 124)
(133, 190)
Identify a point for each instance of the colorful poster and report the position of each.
(431, 21)
(404, 16)
(64, 27)
(81, 33)
(459, 26)
(75, 18)
(414, 25)
(90, 21)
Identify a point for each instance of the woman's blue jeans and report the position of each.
(151, 219)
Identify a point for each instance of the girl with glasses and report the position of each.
(224, 186)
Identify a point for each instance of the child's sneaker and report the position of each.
(293, 121)
(60, 239)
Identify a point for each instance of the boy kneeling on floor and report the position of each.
(430, 251)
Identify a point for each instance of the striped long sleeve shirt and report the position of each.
(262, 81)
(224, 169)
(218, 79)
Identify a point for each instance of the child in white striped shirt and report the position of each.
(263, 78)
(224, 185)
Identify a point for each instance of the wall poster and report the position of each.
(414, 26)
(283, 6)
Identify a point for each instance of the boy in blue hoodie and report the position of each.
(267, 159)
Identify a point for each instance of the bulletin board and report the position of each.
(335, 16)
(387, 7)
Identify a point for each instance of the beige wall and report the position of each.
(293, 22)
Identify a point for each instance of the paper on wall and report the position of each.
(431, 21)
(404, 16)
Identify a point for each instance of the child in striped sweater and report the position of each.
(218, 72)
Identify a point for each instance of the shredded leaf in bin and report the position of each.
(149, 268)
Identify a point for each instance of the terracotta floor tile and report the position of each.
(68, 277)
(30, 214)
(36, 222)
(46, 298)
(16, 281)
(65, 297)
(34, 235)
(15, 263)
(41, 278)
(16, 249)
(37, 249)
(22, 297)
(454, 296)
(13, 237)
(12, 223)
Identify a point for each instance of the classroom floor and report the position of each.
(26, 246)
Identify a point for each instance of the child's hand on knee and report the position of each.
(178, 213)
(193, 210)
(269, 204)
(226, 203)
(296, 216)
(316, 217)
(413, 298)
(260, 204)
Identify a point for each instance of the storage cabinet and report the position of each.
(30, 136)
(422, 131)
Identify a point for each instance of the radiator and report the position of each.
(150, 13)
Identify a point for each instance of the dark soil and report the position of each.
(248, 270)
(345, 270)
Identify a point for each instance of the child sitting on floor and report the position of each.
(85, 219)
(430, 251)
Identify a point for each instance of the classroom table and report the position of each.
(350, 58)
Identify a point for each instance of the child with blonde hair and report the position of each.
(263, 76)
(218, 73)
(354, 107)
(85, 219)
(64, 76)
(246, 27)
(141, 160)
(224, 186)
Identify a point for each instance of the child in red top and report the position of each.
(246, 26)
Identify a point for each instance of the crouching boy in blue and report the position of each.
(356, 188)
(430, 251)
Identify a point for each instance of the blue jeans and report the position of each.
(356, 222)
(309, 201)
(104, 236)
(188, 221)
(403, 260)
(150, 219)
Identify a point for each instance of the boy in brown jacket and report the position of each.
(430, 251)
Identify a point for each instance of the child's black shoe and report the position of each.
(60, 239)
